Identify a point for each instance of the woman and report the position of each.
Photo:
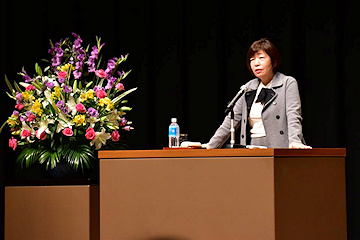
(269, 113)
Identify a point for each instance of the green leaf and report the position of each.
(11, 96)
(75, 86)
(118, 98)
(88, 85)
(17, 87)
(2, 126)
(127, 73)
(38, 69)
(9, 85)
(124, 108)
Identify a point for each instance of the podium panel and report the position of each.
(52, 212)
(199, 194)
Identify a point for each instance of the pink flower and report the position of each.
(30, 88)
(123, 121)
(80, 108)
(100, 93)
(12, 143)
(67, 132)
(100, 73)
(115, 136)
(120, 86)
(25, 133)
(62, 74)
(31, 117)
(127, 128)
(19, 106)
(90, 133)
(40, 136)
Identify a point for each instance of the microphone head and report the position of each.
(243, 87)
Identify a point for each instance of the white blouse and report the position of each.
(255, 120)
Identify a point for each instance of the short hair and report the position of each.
(267, 46)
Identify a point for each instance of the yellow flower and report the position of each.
(36, 108)
(56, 93)
(27, 96)
(104, 101)
(110, 106)
(66, 67)
(90, 94)
(79, 119)
(87, 95)
(83, 97)
(13, 121)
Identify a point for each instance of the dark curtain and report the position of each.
(188, 60)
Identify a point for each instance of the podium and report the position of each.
(199, 194)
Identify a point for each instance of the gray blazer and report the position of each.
(281, 114)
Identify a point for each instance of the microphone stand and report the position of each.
(230, 108)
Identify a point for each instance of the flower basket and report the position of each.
(71, 108)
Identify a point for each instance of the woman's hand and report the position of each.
(299, 145)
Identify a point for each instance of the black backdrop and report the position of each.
(188, 60)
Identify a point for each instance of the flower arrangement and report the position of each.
(71, 109)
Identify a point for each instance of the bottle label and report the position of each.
(172, 131)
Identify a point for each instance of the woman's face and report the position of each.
(261, 66)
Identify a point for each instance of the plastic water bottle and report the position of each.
(174, 134)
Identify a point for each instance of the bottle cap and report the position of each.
(173, 120)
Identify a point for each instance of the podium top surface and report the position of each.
(226, 152)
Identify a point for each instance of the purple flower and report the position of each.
(78, 65)
(77, 43)
(74, 34)
(67, 89)
(93, 112)
(77, 74)
(59, 52)
(92, 68)
(111, 65)
(111, 83)
(23, 118)
(19, 96)
(123, 121)
(97, 88)
(15, 113)
(50, 84)
(61, 80)
(60, 104)
(91, 60)
(65, 110)
(25, 76)
(56, 61)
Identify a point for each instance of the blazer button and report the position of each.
(277, 117)
(274, 103)
(281, 132)
(242, 136)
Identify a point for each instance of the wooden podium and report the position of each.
(232, 194)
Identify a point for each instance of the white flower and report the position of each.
(71, 104)
(47, 99)
(100, 139)
(64, 122)
(92, 121)
(114, 118)
(43, 126)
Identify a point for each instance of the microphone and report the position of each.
(235, 99)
